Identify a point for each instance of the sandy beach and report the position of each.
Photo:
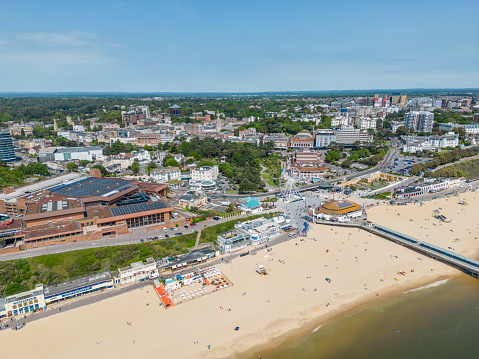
(295, 294)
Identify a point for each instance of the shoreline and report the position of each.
(313, 325)
(310, 325)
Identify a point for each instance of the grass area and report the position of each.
(209, 234)
(223, 214)
(385, 195)
(22, 274)
(267, 179)
(468, 169)
(231, 191)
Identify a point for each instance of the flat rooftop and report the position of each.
(40, 186)
(77, 283)
(194, 255)
(52, 231)
(95, 187)
(52, 204)
(79, 149)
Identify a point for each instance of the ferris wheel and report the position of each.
(288, 184)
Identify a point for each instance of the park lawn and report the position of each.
(385, 195)
(267, 179)
(271, 183)
(22, 274)
(208, 235)
(231, 191)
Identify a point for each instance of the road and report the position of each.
(386, 162)
(130, 238)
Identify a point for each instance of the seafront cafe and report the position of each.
(79, 286)
(22, 303)
(196, 256)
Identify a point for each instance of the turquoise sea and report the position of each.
(436, 322)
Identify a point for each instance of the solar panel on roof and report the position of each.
(344, 204)
(97, 186)
(140, 207)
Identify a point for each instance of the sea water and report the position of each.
(436, 321)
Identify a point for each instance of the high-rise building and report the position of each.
(395, 98)
(420, 121)
(7, 152)
(403, 98)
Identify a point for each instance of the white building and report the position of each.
(324, 138)
(137, 272)
(470, 128)
(166, 174)
(75, 153)
(394, 125)
(22, 303)
(415, 144)
(339, 121)
(205, 173)
(250, 205)
(142, 156)
(253, 232)
(365, 123)
(347, 135)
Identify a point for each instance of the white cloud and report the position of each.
(73, 38)
(51, 49)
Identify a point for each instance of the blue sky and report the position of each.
(237, 46)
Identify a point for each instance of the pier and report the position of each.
(466, 264)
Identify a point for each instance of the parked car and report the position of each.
(167, 236)
(142, 240)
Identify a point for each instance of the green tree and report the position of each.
(196, 155)
(171, 162)
(135, 167)
(332, 156)
(71, 167)
(84, 163)
(151, 166)
(401, 131)
(461, 131)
